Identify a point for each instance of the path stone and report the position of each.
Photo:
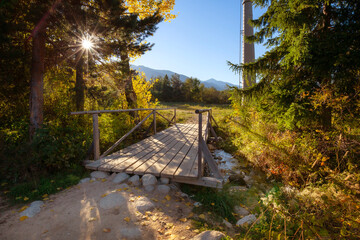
(249, 219)
(241, 211)
(84, 180)
(99, 174)
(121, 177)
(164, 180)
(131, 233)
(163, 189)
(135, 180)
(143, 204)
(33, 209)
(112, 200)
(148, 179)
(149, 188)
(209, 235)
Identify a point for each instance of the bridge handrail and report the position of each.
(96, 133)
(202, 147)
(120, 110)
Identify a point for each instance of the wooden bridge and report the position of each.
(178, 152)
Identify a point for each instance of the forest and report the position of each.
(171, 89)
(299, 124)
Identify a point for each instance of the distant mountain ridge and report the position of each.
(152, 73)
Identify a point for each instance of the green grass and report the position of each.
(36, 189)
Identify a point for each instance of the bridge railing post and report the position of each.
(200, 167)
(154, 121)
(96, 137)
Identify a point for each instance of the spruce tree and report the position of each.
(313, 59)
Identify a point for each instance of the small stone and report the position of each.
(197, 204)
(174, 186)
(84, 180)
(183, 195)
(112, 200)
(99, 174)
(227, 224)
(164, 180)
(121, 177)
(148, 179)
(241, 211)
(209, 235)
(143, 204)
(249, 219)
(134, 180)
(149, 188)
(163, 189)
(131, 233)
(33, 209)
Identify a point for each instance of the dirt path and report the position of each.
(75, 214)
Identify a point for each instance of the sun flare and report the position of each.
(87, 44)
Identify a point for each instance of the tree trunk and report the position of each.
(79, 84)
(129, 89)
(37, 81)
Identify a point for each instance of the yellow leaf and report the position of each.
(103, 180)
(196, 231)
(3, 184)
(23, 218)
(23, 208)
(167, 197)
(92, 219)
(188, 204)
(34, 191)
(187, 227)
(154, 199)
(45, 195)
(26, 198)
(127, 219)
(212, 204)
(104, 195)
(5, 192)
(52, 181)
(119, 190)
(92, 180)
(190, 215)
(45, 199)
(17, 198)
(202, 216)
(59, 188)
(183, 219)
(106, 230)
(163, 201)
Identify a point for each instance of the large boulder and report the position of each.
(148, 179)
(112, 200)
(121, 177)
(209, 235)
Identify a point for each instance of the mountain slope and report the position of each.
(152, 73)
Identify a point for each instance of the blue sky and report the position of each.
(200, 40)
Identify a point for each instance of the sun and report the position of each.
(87, 44)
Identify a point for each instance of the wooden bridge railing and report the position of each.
(96, 133)
(202, 147)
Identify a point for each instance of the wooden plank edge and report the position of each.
(204, 181)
